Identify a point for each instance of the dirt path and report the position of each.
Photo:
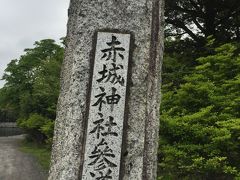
(16, 165)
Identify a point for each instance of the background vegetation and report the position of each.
(31, 90)
(200, 110)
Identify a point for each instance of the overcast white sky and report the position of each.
(22, 22)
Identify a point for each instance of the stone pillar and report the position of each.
(143, 19)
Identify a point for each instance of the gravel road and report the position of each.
(16, 165)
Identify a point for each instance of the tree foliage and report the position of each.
(200, 119)
(200, 110)
(202, 18)
(32, 87)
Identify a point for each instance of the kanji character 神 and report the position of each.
(110, 99)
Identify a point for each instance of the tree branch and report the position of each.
(191, 12)
(198, 25)
(181, 25)
(230, 14)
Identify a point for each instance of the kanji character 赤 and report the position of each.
(111, 53)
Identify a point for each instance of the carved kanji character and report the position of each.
(113, 98)
(101, 156)
(111, 53)
(98, 128)
(110, 99)
(100, 100)
(110, 124)
(102, 175)
(111, 74)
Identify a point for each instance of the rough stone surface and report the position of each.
(143, 18)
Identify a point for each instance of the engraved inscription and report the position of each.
(107, 106)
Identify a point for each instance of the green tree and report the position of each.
(200, 120)
(200, 19)
(32, 87)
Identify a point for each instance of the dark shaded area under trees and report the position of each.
(202, 18)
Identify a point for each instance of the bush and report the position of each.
(200, 120)
(37, 127)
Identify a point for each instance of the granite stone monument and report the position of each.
(108, 110)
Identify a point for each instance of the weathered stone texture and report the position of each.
(143, 19)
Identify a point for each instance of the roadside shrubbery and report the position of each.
(38, 128)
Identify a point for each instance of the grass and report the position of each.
(40, 152)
